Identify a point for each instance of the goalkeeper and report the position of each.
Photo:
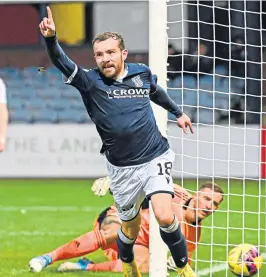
(190, 210)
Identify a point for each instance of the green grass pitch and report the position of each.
(36, 216)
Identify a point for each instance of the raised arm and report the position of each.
(56, 54)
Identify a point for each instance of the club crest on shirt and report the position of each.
(137, 81)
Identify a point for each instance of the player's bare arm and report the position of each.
(3, 125)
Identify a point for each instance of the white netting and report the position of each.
(216, 64)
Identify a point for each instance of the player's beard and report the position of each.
(113, 70)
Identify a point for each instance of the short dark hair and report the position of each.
(106, 35)
(213, 186)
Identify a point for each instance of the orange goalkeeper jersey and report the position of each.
(191, 232)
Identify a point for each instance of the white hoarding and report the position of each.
(72, 151)
(52, 151)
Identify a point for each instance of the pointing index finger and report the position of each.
(191, 128)
(49, 12)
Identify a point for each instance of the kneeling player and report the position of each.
(190, 211)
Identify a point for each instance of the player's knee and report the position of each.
(165, 219)
(131, 229)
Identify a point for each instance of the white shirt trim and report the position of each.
(120, 79)
(71, 77)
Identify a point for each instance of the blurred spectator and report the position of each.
(199, 61)
(238, 56)
(3, 115)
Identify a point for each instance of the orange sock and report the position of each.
(112, 266)
(80, 246)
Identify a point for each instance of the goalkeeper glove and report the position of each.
(101, 186)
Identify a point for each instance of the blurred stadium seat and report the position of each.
(45, 116)
(20, 116)
(209, 99)
(43, 97)
(72, 116)
(35, 104)
(59, 104)
(10, 73)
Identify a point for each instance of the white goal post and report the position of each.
(157, 63)
(224, 96)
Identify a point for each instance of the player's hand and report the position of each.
(184, 122)
(2, 147)
(101, 186)
(47, 26)
(2, 144)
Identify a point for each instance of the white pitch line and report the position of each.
(213, 269)
(48, 208)
(218, 268)
(35, 233)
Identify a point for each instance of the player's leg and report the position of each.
(85, 244)
(128, 194)
(141, 255)
(141, 252)
(125, 242)
(159, 189)
(78, 247)
(171, 233)
(86, 265)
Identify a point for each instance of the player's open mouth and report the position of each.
(108, 67)
(204, 212)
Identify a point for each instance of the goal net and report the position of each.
(215, 73)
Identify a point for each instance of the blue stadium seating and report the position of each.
(15, 103)
(220, 70)
(48, 93)
(59, 104)
(206, 116)
(72, 116)
(45, 115)
(10, 73)
(20, 116)
(77, 104)
(43, 97)
(36, 104)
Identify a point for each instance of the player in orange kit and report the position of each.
(189, 209)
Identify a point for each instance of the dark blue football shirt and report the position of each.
(120, 109)
(122, 113)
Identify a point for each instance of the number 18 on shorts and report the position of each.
(130, 185)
